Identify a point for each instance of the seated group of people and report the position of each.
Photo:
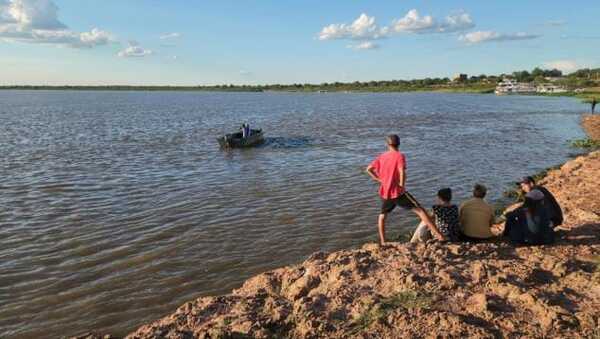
(530, 223)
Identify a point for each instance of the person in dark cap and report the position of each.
(555, 214)
(593, 104)
(530, 224)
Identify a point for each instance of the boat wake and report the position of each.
(294, 142)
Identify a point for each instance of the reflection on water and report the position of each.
(117, 207)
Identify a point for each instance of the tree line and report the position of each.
(580, 78)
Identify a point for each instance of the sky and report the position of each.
(177, 42)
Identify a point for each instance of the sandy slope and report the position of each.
(426, 290)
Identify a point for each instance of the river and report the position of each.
(118, 207)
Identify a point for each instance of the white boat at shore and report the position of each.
(510, 86)
(550, 88)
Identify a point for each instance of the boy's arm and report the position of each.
(402, 181)
(371, 172)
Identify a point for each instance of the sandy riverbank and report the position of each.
(425, 290)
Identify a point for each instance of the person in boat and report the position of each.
(389, 170)
(445, 216)
(553, 209)
(476, 217)
(246, 131)
(530, 224)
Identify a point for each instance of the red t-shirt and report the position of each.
(387, 166)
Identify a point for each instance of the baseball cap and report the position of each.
(526, 180)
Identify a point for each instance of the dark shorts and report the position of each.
(406, 201)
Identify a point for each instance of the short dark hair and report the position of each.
(393, 140)
(445, 194)
(479, 191)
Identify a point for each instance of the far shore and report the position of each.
(265, 88)
(585, 96)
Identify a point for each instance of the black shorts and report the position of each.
(406, 201)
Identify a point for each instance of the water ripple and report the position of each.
(117, 207)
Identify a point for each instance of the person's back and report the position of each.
(552, 207)
(387, 166)
(445, 216)
(476, 216)
(389, 170)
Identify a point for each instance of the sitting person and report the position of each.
(476, 216)
(445, 216)
(553, 209)
(530, 224)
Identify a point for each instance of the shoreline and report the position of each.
(585, 97)
(449, 289)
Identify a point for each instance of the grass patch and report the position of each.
(408, 300)
(586, 143)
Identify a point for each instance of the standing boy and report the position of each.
(389, 170)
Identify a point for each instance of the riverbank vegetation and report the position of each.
(583, 83)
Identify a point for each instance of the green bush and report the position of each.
(586, 143)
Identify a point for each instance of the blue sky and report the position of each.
(158, 42)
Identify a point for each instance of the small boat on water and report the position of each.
(235, 140)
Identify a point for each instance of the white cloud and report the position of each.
(412, 22)
(36, 21)
(457, 22)
(365, 45)
(168, 36)
(32, 14)
(491, 36)
(566, 66)
(134, 50)
(363, 28)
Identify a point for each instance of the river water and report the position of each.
(118, 207)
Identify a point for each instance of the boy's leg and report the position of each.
(419, 211)
(387, 205)
(421, 234)
(381, 226)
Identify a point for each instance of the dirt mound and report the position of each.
(591, 125)
(404, 290)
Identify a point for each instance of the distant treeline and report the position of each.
(582, 78)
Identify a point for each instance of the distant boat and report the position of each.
(235, 140)
(509, 86)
